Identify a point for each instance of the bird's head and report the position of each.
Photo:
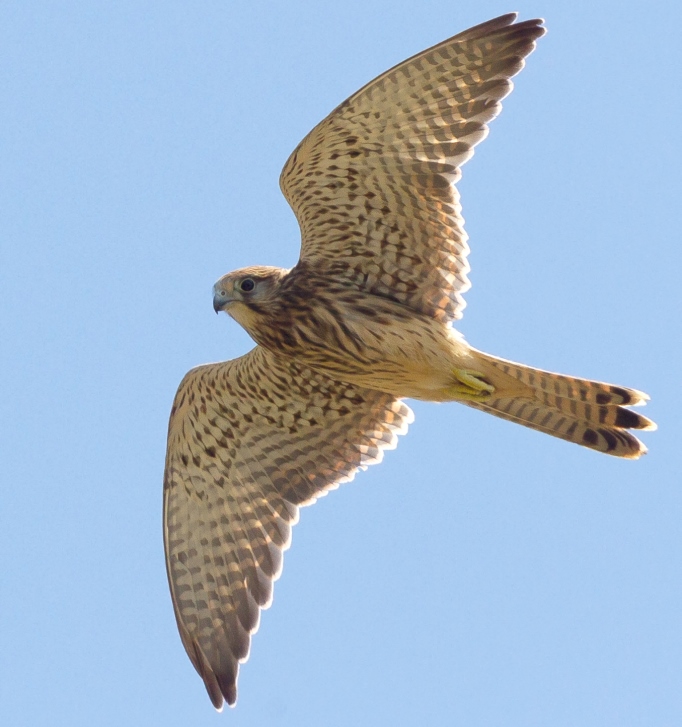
(244, 294)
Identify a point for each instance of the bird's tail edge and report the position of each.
(590, 413)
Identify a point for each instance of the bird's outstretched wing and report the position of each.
(372, 185)
(250, 441)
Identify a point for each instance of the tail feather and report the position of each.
(589, 413)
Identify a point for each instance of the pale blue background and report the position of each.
(484, 574)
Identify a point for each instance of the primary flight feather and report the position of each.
(362, 321)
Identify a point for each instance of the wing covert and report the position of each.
(250, 441)
(372, 185)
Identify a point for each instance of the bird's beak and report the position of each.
(221, 298)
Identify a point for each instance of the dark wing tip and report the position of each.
(221, 688)
(503, 21)
(221, 684)
(481, 29)
(228, 685)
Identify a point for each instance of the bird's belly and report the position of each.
(407, 355)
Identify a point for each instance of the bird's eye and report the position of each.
(247, 285)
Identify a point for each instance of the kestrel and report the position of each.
(361, 322)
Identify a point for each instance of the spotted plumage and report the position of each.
(362, 321)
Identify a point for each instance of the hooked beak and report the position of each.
(220, 298)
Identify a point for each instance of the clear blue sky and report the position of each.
(483, 574)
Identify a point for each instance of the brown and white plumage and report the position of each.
(363, 320)
(250, 441)
(372, 185)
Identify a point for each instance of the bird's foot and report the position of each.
(472, 386)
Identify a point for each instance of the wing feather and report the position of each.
(250, 441)
(372, 185)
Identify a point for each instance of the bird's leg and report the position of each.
(472, 386)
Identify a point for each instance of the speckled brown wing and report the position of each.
(250, 441)
(372, 185)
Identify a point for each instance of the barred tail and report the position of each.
(589, 413)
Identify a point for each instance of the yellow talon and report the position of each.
(473, 387)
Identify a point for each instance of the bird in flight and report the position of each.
(361, 322)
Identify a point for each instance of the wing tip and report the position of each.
(221, 689)
(221, 685)
(501, 22)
